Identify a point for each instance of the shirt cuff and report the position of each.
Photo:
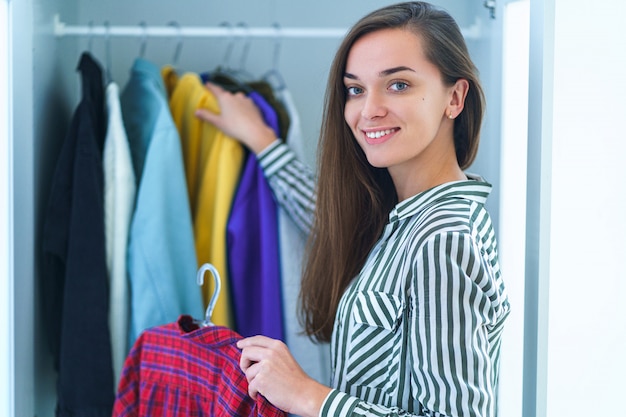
(274, 157)
(338, 403)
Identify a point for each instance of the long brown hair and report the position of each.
(354, 199)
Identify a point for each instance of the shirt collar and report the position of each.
(474, 188)
(143, 68)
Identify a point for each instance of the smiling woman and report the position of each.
(402, 277)
(401, 112)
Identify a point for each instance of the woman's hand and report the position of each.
(239, 118)
(272, 371)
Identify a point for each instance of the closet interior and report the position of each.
(286, 44)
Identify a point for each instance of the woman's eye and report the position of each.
(354, 91)
(399, 86)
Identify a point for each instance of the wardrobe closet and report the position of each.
(253, 37)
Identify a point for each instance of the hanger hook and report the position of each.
(277, 45)
(246, 45)
(144, 39)
(107, 44)
(279, 82)
(229, 48)
(216, 292)
(90, 40)
(179, 45)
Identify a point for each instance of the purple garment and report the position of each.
(252, 248)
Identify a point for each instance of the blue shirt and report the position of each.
(161, 254)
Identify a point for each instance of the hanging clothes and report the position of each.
(266, 90)
(212, 164)
(258, 87)
(252, 239)
(314, 358)
(161, 255)
(119, 201)
(181, 369)
(75, 282)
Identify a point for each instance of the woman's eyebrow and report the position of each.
(383, 73)
(393, 70)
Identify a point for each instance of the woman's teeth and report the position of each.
(380, 133)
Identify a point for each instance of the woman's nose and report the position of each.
(373, 106)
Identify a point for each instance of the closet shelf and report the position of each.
(61, 29)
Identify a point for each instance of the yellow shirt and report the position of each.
(213, 163)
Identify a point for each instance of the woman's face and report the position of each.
(397, 105)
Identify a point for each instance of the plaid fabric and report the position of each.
(181, 369)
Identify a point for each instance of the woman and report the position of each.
(402, 275)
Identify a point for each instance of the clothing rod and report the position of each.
(61, 29)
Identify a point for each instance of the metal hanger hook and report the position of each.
(246, 45)
(107, 45)
(277, 45)
(90, 39)
(229, 47)
(179, 45)
(144, 39)
(216, 292)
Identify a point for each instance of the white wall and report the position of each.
(586, 355)
(6, 284)
(515, 61)
(22, 240)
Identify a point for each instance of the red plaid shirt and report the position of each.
(181, 369)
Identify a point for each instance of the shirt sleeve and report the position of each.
(454, 304)
(292, 183)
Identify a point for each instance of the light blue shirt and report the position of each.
(162, 261)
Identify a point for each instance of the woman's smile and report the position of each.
(377, 135)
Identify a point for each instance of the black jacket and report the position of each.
(75, 288)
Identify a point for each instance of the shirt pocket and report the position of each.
(375, 342)
(377, 309)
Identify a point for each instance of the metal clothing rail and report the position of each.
(174, 30)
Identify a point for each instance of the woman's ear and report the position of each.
(457, 99)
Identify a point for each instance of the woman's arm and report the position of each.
(292, 182)
(239, 118)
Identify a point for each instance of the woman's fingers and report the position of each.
(207, 116)
(239, 117)
(262, 341)
(272, 371)
(258, 348)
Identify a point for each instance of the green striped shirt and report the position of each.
(418, 331)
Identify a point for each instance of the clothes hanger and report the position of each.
(273, 73)
(90, 39)
(241, 71)
(200, 281)
(144, 39)
(107, 51)
(179, 44)
(226, 76)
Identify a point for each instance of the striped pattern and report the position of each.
(418, 331)
(292, 183)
